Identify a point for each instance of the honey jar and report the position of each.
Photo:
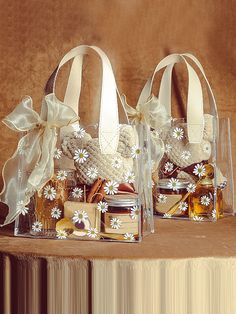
(166, 196)
(123, 216)
(206, 202)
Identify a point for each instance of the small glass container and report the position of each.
(165, 198)
(123, 216)
(203, 204)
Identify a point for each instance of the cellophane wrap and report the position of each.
(193, 179)
(96, 180)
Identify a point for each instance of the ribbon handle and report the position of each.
(109, 119)
(195, 115)
(165, 86)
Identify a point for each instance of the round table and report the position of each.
(185, 267)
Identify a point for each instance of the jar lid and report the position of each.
(122, 200)
(163, 184)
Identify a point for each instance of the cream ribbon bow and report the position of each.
(32, 164)
(150, 113)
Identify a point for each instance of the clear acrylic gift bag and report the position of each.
(86, 182)
(193, 176)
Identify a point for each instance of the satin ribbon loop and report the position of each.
(34, 156)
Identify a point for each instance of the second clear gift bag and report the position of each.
(83, 181)
(192, 173)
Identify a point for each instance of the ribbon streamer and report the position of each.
(32, 164)
(153, 114)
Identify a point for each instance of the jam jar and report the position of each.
(123, 216)
(165, 197)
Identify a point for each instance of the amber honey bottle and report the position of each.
(201, 202)
(49, 209)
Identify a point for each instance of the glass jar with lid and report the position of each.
(170, 198)
(122, 217)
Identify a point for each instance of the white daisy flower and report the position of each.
(129, 236)
(62, 234)
(197, 218)
(162, 198)
(116, 163)
(178, 133)
(205, 200)
(56, 212)
(207, 148)
(169, 166)
(57, 153)
(185, 154)
(49, 192)
(129, 177)
(166, 215)
(135, 152)
(19, 174)
(173, 184)
(81, 155)
(168, 148)
(79, 132)
(213, 214)
(199, 170)
(92, 172)
(102, 207)
(37, 226)
(183, 206)
(134, 212)
(115, 223)
(61, 175)
(92, 233)
(79, 216)
(77, 193)
(111, 187)
(191, 188)
(21, 208)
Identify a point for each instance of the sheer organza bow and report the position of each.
(32, 164)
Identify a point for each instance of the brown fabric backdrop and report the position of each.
(136, 34)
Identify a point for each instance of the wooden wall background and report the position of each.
(136, 34)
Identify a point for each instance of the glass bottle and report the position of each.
(49, 202)
(206, 202)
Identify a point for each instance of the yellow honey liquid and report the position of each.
(43, 206)
(197, 208)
